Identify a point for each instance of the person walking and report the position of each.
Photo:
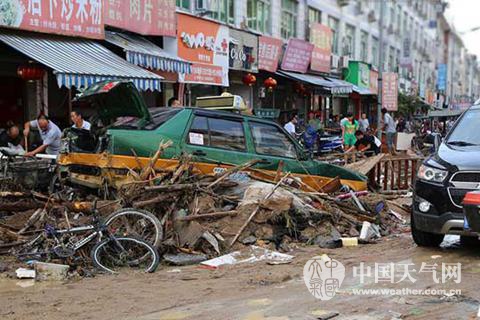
(348, 133)
(363, 123)
(390, 130)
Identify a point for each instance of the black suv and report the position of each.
(444, 179)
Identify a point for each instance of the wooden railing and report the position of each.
(395, 173)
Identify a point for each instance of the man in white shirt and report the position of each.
(363, 123)
(78, 121)
(390, 130)
(290, 126)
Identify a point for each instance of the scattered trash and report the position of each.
(255, 254)
(23, 273)
(436, 256)
(249, 240)
(184, 259)
(50, 271)
(349, 242)
(369, 231)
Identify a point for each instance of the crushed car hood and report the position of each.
(115, 98)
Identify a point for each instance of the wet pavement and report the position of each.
(260, 291)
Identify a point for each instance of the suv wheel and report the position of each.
(425, 239)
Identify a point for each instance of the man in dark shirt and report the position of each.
(10, 135)
(10, 140)
(366, 143)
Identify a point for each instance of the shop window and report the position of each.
(289, 19)
(258, 15)
(221, 10)
(270, 140)
(218, 133)
(333, 24)
(314, 15)
(184, 4)
(349, 41)
(363, 46)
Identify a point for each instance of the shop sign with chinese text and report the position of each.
(269, 50)
(390, 91)
(243, 51)
(297, 56)
(321, 38)
(147, 17)
(83, 18)
(205, 44)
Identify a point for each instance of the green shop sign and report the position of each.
(358, 73)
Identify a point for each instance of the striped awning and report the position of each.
(77, 62)
(146, 54)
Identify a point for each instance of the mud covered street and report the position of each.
(254, 291)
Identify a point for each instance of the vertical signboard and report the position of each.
(82, 18)
(374, 81)
(243, 51)
(442, 77)
(297, 56)
(406, 55)
(269, 50)
(321, 38)
(205, 44)
(390, 91)
(147, 17)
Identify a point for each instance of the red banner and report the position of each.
(269, 50)
(390, 91)
(297, 56)
(321, 38)
(147, 17)
(82, 18)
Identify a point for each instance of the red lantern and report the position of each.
(30, 72)
(270, 83)
(249, 79)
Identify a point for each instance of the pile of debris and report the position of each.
(204, 216)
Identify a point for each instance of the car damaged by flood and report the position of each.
(125, 134)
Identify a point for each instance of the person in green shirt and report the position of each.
(348, 133)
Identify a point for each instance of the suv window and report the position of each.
(466, 131)
(159, 117)
(270, 140)
(216, 132)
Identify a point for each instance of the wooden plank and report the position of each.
(407, 162)
(385, 175)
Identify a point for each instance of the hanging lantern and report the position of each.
(270, 83)
(30, 72)
(249, 79)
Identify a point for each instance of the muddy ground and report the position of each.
(253, 291)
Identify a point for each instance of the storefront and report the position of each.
(205, 44)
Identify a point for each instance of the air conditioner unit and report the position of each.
(372, 17)
(344, 62)
(334, 61)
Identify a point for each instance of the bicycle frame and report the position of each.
(77, 245)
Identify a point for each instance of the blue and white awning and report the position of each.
(146, 54)
(78, 62)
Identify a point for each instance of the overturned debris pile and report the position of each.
(207, 215)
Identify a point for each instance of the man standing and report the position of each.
(390, 131)
(78, 121)
(363, 123)
(49, 132)
(290, 125)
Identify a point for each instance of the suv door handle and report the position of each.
(199, 153)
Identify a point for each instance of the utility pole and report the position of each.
(380, 70)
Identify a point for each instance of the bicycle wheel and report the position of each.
(115, 253)
(137, 223)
